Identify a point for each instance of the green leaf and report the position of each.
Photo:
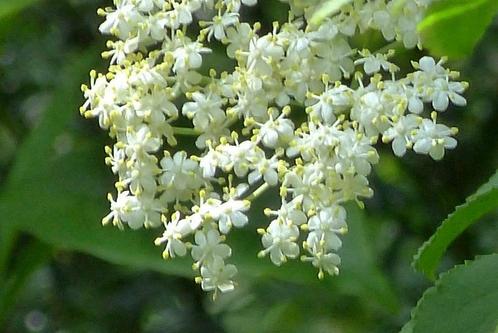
(477, 205)
(12, 7)
(329, 8)
(465, 299)
(453, 27)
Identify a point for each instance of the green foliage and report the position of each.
(477, 205)
(465, 299)
(453, 27)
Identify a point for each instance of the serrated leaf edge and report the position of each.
(469, 200)
(435, 288)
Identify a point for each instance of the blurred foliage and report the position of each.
(53, 184)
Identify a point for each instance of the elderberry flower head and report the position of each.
(299, 116)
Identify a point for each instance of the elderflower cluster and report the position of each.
(300, 115)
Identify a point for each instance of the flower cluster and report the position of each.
(301, 112)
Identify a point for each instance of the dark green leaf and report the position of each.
(477, 205)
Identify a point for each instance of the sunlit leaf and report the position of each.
(453, 27)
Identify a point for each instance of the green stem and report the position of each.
(260, 190)
(186, 131)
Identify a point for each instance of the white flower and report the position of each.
(266, 169)
(384, 21)
(424, 79)
(231, 214)
(123, 21)
(218, 26)
(188, 56)
(326, 225)
(279, 241)
(329, 102)
(276, 131)
(290, 212)
(183, 11)
(445, 91)
(140, 142)
(174, 231)
(218, 276)
(125, 209)
(209, 247)
(204, 110)
(239, 157)
(180, 176)
(355, 154)
(371, 113)
(401, 133)
(372, 63)
(433, 139)
(262, 52)
(238, 38)
(116, 159)
(145, 5)
(143, 176)
(328, 262)
(352, 187)
(157, 101)
(338, 63)
(210, 161)
(207, 211)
